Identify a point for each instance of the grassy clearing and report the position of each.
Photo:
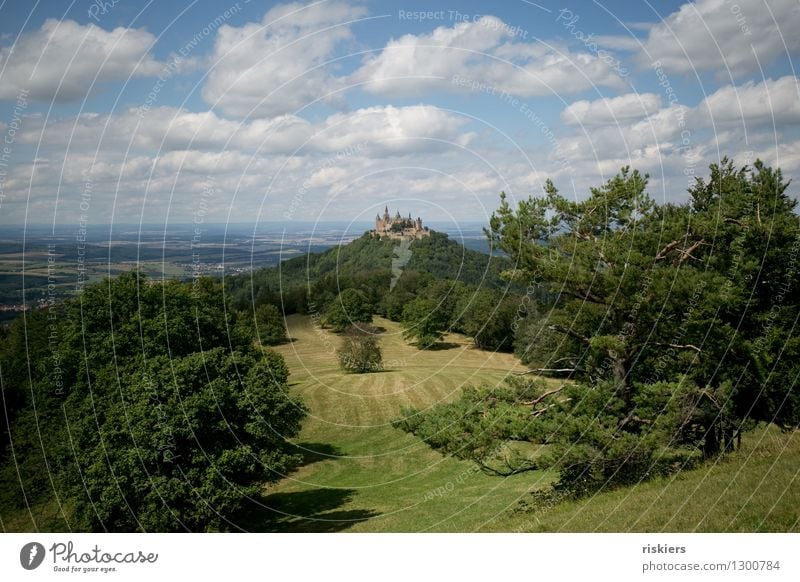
(361, 474)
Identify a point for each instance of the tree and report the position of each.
(488, 317)
(360, 353)
(592, 256)
(194, 438)
(270, 327)
(424, 322)
(348, 308)
(408, 287)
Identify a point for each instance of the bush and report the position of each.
(360, 354)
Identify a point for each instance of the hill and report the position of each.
(751, 490)
(366, 263)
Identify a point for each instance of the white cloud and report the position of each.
(786, 156)
(481, 52)
(620, 140)
(391, 129)
(678, 128)
(723, 36)
(63, 59)
(771, 101)
(277, 66)
(378, 131)
(325, 177)
(611, 110)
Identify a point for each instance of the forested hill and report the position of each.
(366, 264)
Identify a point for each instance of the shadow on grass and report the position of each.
(311, 453)
(442, 346)
(315, 511)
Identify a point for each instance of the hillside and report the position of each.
(365, 263)
(361, 473)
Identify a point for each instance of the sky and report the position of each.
(189, 112)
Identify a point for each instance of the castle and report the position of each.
(399, 227)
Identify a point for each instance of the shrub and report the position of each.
(360, 354)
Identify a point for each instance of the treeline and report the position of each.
(141, 406)
(671, 326)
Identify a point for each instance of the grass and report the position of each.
(392, 481)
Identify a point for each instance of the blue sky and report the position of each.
(259, 111)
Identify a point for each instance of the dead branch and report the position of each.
(662, 254)
(680, 346)
(541, 411)
(570, 332)
(687, 253)
(537, 400)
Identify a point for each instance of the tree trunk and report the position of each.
(619, 367)
(711, 444)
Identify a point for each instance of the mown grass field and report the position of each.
(364, 475)
(361, 474)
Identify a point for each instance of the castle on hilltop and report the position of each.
(399, 227)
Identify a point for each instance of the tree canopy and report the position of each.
(169, 418)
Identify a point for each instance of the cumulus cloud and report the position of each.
(611, 110)
(629, 138)
(635, 123)
(391, 129)
(277, 66)
(63, 60)
(731, 38)
(771, 101)
(485, 52)
(380, 130)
